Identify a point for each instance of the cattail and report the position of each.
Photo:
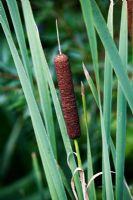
(130, 17)
(66, 88)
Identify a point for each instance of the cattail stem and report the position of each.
(78, 153)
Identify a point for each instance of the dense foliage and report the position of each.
(17, 139)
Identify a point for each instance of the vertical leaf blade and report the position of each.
(89, 21)
(41, 78)
(107, 102)
(107, 99)
(14, 12)
(121, 109)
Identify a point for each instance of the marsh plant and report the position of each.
(48, 107)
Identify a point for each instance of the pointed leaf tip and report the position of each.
(87, 75)
(82, 89)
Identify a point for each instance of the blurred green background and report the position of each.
(17, 141)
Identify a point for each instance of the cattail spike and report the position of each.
(68, 100)
(58, 38)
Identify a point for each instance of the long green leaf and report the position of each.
(41, 78)
(107, 99)
(13, 9)
(49, 163)
(121, 109)
(89, 22)
(107, 102)
(106, 163)
(113, 54)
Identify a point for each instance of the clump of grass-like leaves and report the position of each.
(42, 117)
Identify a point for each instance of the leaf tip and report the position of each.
(87, 75)
(82, 89)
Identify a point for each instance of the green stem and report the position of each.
(78, 153)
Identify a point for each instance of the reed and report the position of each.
(65, 107)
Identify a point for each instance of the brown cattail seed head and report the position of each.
(68, 100)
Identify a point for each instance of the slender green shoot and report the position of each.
(107, 99)
(78, 153)
(108, 80)
(121, 109)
